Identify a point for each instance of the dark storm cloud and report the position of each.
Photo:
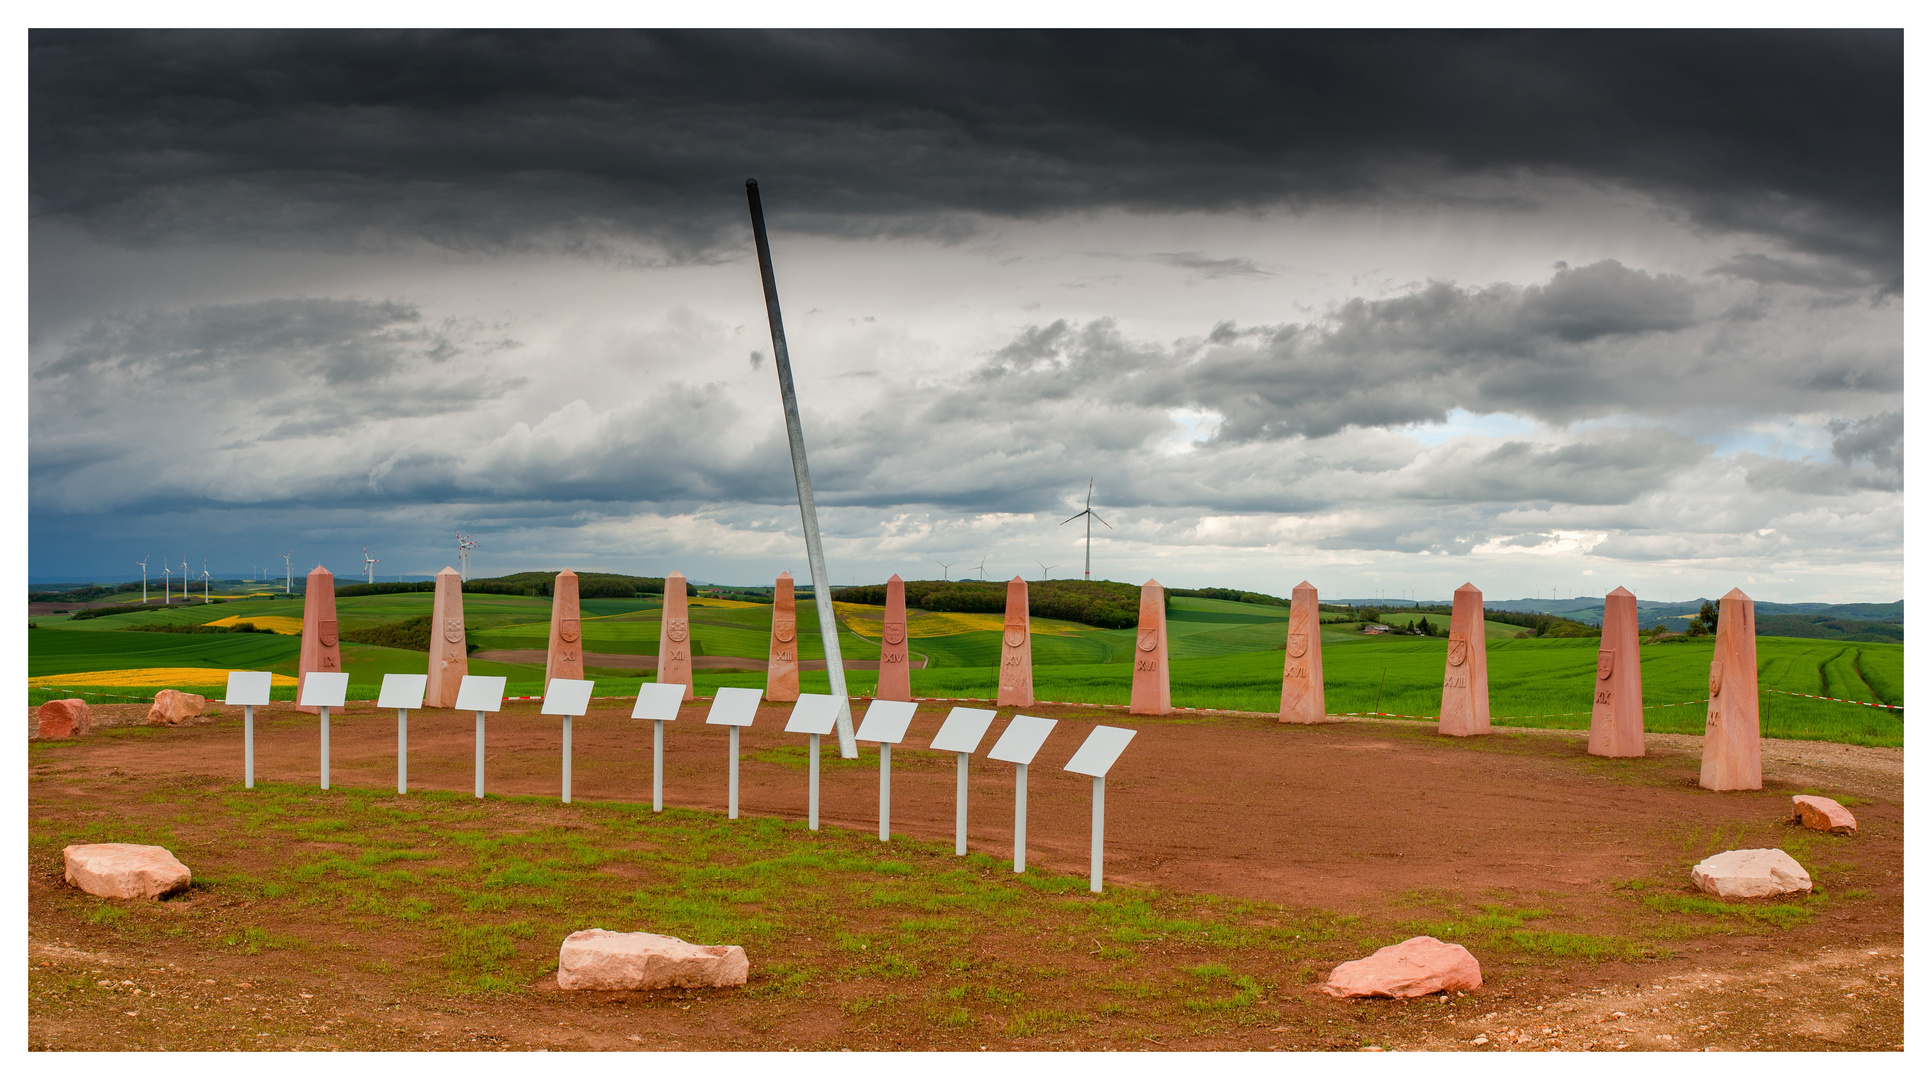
(1589, 342)
(495, 139)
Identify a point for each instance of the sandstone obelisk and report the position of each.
(1303, 699)
(781, 670)
(674, 637)
(1016, 649)
(449, 654)
(1152, 694)
(1731, 761)
(1465, 676)
(321, 647)
(895, 654)
(1617, 713)
(566, 659)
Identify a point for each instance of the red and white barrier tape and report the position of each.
(1847, 701)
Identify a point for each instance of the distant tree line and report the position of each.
(1110, 605)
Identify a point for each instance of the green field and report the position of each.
(1225, 655)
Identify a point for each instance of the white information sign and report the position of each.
(249, 687)
(567, 697)
(402, 691)
(963, 730)
(886, 721)
(658, 701)
(1022, 739)
(481, 693)
(1100, 751)
(815, 714)
(735, 705)
(325, 689)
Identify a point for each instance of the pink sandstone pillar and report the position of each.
(1016, 649)
(449, 655)
(895, 655)
(674, 637)
(781, 670)
(566, 659)
(1152, 692)
(1303, 698)
(321, 646)
(1731, 760)
(1617, 714)
(1465, 678)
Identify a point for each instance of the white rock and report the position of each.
(1751, 872)
(607, 960)
(125, 871)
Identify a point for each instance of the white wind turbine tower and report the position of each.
(288, 573)
(463, 546)
(143, 564)
(187, 574)
(1091, 518)
(167, 572)
(946, 568)
(1044, 569)
(981, 568)
(369, 567)
(204, 581)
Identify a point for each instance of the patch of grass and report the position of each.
(104, 914)
(253, 940)
(1783, 915)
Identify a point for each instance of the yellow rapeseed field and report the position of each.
(865, 619)
(281, 624)
(146, 676)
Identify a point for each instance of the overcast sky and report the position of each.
(1386, 312)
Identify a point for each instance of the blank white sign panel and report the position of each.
(963, 730)
(402, 691)
(658, 701)
(249, 687)
(736, 706)
(1100, 751)
(481, 693)
(886, 721)
(325, 688)
(1021, 739)
(815, 714)
(567, 697)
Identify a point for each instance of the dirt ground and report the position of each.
(1376, 819)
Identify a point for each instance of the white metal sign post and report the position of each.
(566, 698)
(657, 702)
(249, 689)
(735, 707)
(814, 715)
(1094, 758)
(402, 693)
(325, 690)
(480, 694)
(961, 735)
(1018, 743)
(885, 723)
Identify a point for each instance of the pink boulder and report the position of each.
(175, 707)
(1418, 966)
(69, 717)
(607, 960)
(1751, 872)
(1811, 811)
(125, 871)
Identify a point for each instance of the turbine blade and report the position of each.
(1100, 519)
(1078, 516)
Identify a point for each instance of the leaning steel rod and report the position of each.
(807, 509)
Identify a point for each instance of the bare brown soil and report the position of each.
(637, 662)
(1375, 819)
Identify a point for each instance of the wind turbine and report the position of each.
(167, 572)
(946, 568)
(981, 568)
(143, 564)
(369, 567)
(187, 574)
(463, 546)
(288, 573)
(204, 581)
(1044, 568)
(1091, 518)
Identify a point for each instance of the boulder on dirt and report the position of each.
(1418, 966)
(175, 707)
(67, 718)
(1751, 872)
(1825, 815)
(607, 960)
(125, 871)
